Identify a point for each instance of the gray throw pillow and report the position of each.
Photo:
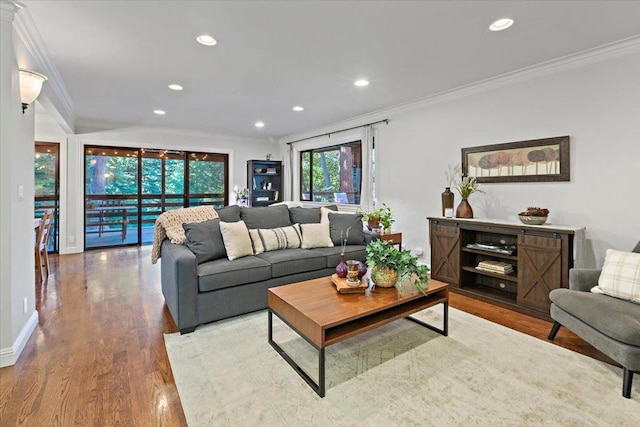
(266, 217)
(205, 240)
(229, 213)
(307, 215)
(339, 223)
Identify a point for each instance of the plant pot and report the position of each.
(384, 277)
(464, 210)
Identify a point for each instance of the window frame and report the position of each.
(357, 192)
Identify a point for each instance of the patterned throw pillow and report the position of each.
(273, 239)
(620, 276)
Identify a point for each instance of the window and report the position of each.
(332, 174)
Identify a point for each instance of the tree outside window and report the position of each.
(332, 174)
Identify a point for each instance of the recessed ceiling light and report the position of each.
(259, 124)
(206, 40)
(175, 87)
(501, 24)
(298, 108)
(159, 112)
(361, 82)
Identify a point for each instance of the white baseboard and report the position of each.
(9, 356)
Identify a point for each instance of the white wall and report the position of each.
(71, 228)
(17, 272)
(594, 98)
(597, 105)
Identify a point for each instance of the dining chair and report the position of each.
(41, 253)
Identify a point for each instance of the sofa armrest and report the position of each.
(583, 279)
(370, 236)
(179, 278)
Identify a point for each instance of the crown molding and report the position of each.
(55, 88)
(8, 10)
(602, 53)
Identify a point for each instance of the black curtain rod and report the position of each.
(386, 121)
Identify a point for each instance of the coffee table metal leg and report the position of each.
(318, 388)
(321, 372)
(445, 330)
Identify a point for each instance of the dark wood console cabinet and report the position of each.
(541, 259)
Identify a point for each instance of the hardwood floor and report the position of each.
(98, 355)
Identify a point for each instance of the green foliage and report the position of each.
(466, 186)
(382, 214)
(383, 254)
(44, 174)
(118, 175)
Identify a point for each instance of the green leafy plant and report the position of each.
(382, 215)
(466, 186)
(383, 254)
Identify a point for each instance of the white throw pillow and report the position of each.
(273, 239)
(324, 213)
(236, 239)
(316, 235)
(620, 276)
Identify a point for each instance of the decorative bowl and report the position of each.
(533, 220)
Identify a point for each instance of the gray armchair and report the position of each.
(610, 324)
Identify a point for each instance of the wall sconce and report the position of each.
(30, 87)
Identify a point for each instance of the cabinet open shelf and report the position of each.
(264, 179)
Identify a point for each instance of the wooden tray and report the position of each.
(343, 288)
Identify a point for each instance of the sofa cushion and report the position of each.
(620, 276)
(229, 213)
(315, 236)
(292, 261)
(237, 241)
(273, 239)
(357, 252)
(304, 215)
(346, 227)
(222, 273)
(266, 217)
(205, 240)
(613, 317)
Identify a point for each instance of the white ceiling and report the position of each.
(116, 58)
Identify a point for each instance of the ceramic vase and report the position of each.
(464, 210)
(341, 268)
(362, 270)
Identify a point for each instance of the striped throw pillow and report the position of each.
(273, 239)
(620, 276)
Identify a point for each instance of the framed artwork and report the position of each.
(536, 160)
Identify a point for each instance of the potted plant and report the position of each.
(466, 186)
(378, 217)
(391, 266)
(372, 218)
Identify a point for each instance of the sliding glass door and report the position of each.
(127, 188)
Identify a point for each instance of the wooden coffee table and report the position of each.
(322, 316)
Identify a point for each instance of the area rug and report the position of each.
(400, 374)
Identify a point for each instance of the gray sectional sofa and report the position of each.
(200, 284)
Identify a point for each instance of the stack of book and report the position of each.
(498, 267)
